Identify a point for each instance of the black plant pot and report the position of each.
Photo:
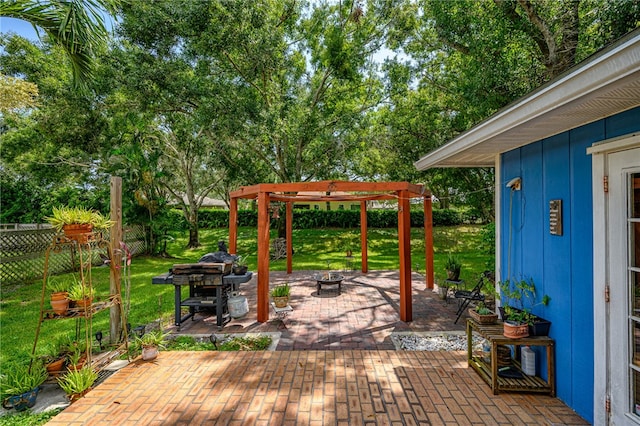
(540, 327)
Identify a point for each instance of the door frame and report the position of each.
(602, 261)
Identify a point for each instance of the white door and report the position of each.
(623, 244)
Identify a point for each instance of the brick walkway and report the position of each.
(363, 316)
(361, 380)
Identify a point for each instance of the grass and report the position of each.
(20, 304)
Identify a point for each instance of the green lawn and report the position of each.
(313, 249)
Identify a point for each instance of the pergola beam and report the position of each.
(328, 186)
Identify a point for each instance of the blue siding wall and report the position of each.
(561, 266)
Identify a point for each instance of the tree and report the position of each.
(75, 25)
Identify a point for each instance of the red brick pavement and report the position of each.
(351, 387)
(334, 365)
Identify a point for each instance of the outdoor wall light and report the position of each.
(515, 184)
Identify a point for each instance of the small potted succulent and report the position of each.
(280, 295)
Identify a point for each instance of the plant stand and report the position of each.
(81, 250)
(489, 370)
(282, 312)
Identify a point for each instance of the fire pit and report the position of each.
(328, 278)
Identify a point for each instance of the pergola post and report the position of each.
(404, 247)
(428, 241)
(233, 226)
(289, 223)
(263, 257)
(364, 261)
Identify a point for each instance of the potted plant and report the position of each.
(82, 295)
(52, 359)
(77, 222)
(77, 358)
(280, 295)
(516, 323)
(76, 383)
(59, 295)
(483, 315)
(240, 266)
(519, 297)
(20, 384)
(453, 266)
(150, 343)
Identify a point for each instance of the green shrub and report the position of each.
(313, 219)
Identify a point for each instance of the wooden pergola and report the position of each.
(288, 193)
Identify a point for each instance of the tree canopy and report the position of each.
(193, 99)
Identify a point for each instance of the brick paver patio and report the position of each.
(335, 364)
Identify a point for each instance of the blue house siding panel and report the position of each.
(512, 170)
(556, 274)
(582, 254)
(561, 266)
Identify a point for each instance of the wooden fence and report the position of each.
(22, 252)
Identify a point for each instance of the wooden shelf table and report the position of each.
(489, 371)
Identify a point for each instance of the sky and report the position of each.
(19, 27)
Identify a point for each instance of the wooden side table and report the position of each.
(489, 372)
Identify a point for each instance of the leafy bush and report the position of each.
(313, 219)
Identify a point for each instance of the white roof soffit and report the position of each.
(606, 83)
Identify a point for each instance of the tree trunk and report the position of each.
(194, 241)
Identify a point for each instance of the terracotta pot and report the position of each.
(84, 303)
(149, 353)
(60, 302)
(56, 367)
(81, 362)
(515, 331)
(281, 301)
(76, 396)
(78, 231)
